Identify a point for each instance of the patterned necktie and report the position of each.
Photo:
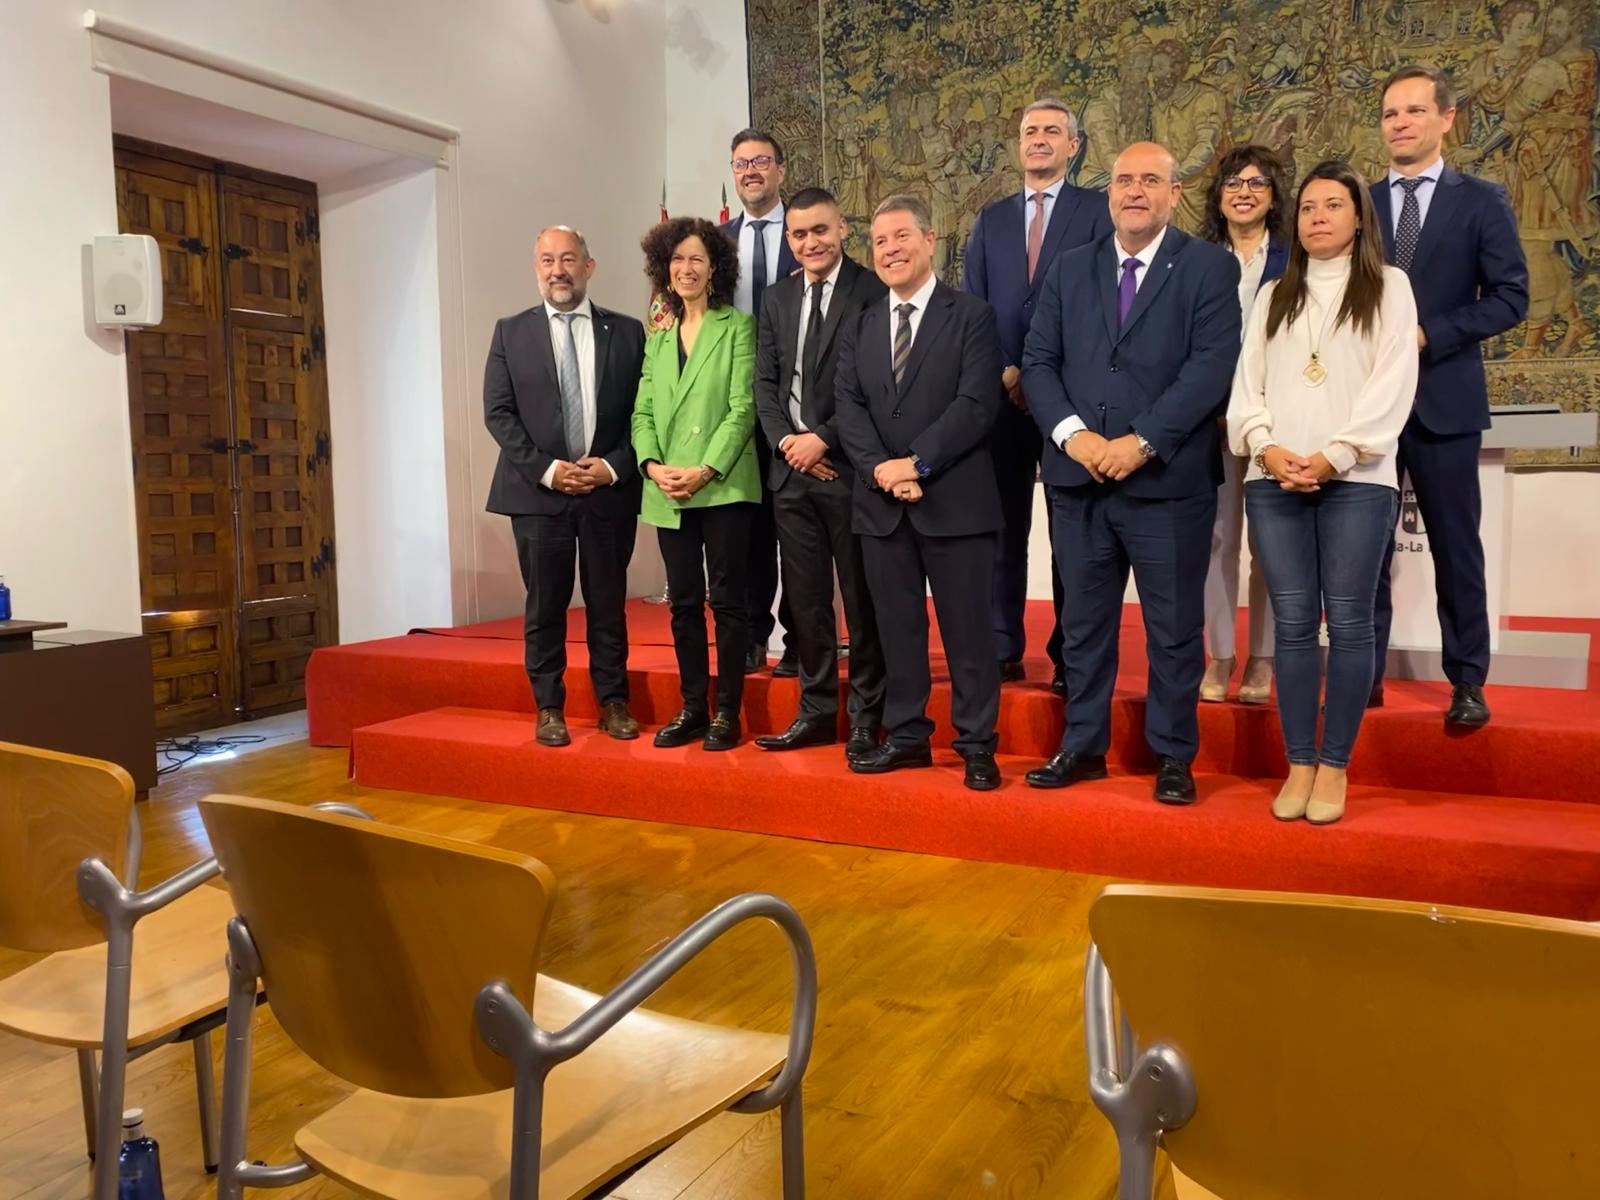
(571, 389)
(810, 352)
(902, 341)
(758, 266)
(1127, 290)
(1035, 235)
(1409, 228)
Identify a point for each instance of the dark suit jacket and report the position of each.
(996, 265)
(1277, 262)
(787, 263)
(1470, 281)
(942, 412)
(522, 408)
(778, 344)
(1164, 374)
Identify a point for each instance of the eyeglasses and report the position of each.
(1256, 183)
(760, 162)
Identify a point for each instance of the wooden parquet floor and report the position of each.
(949, 1055)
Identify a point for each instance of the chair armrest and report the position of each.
(505, 1024)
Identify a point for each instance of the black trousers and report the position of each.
(815, 537)
(901, 569)
(1100, 533)
(599, 544)
(709, 543)
(762, 576)
(1014, 446)
(1444, 476)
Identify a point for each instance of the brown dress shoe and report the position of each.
(616, 721)
(552, 729)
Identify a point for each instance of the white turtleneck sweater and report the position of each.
(1355, 417)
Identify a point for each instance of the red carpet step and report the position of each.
(1495, 851)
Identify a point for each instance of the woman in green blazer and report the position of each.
(692, 427)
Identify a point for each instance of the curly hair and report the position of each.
(1214, 226)
(666, 237)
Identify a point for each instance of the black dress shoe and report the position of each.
(1468, 709)
(755, 659)
(682, 729)
(1174, 781)
(1012, 672)
(788, 666)
(1058, 682)
(863, 740)
(1375, 696)
(983, 773)
(889, 757)
(806, 731)
(1067, 768)
(723, 732)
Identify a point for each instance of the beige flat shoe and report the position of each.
(1327, 797)
(1214, 685)
(1256, 685)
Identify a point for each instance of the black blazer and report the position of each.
(778, 344)
(1470, 281)
(522, 408)
(788, 264)
(942, 412)
(1164, 374)
(996, 265)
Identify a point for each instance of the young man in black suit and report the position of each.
(796, 355)
(1456, 239)
(558, 397)
(918, 387)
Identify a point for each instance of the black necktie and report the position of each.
(758, 266)
(812, 350)
(1409, 227)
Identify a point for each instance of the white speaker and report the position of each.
(127, 280)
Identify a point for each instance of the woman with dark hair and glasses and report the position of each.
(1247, 209)
(1325, 382)
(692, 426)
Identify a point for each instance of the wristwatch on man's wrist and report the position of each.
(922, 469)
(1145, 448)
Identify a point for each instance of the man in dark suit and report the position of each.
(918, 388)
(1013, 243)
(795, 362)
(764, 258)
(1125, 367)
(1455, 237)
(558, 396)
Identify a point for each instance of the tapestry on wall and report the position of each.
(872, 98)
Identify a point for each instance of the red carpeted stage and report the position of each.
(1505, 817)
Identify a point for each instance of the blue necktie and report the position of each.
(758, 266)
(1409, 228)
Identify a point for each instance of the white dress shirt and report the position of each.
(919, 300)
(1051, 195)
(744, 291)
(1067, 427)
(1354, 417)
(800, 350)
(1250, 273)
(1397, 194)
(583, 339)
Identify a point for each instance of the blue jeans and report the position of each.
(1322, 552)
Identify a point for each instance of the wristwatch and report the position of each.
(1145, 448)
(923, 469)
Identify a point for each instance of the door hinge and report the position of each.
(321, 454)
(234, 251)
(313, 225)
(303, 290)
(305, 358)
(323, 563)
(194, 245)
(319, 342)
(299, 233)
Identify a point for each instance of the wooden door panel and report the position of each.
(195, 669)
(265, 272)
(178, 213)
(279, 636)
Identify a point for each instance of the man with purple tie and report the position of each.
(1126, 365)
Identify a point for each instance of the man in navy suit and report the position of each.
(764, 258)
(1457, 240)
(1013, 243)
(1126, 364)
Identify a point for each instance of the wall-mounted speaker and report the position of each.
(127, 280)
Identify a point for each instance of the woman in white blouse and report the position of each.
(1324, 385)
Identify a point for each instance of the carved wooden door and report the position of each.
(231, 453)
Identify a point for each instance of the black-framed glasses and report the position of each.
(760, 162)
(1256, 183)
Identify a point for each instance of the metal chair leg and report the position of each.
(89, 1085)
(206, 1094)
(792, 1137)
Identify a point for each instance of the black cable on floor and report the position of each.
(182, 751)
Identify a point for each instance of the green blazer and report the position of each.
(705, 415)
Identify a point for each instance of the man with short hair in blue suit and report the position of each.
(1126, 365)
(1012, 245)
(1456, 239)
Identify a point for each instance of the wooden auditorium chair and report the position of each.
(69, 874)
(407, 964)
(1288, 1047)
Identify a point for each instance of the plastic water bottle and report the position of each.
(5, 600)
(139, 1164)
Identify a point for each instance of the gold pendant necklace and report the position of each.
(1314, 373)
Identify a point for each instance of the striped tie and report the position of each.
(902, 341)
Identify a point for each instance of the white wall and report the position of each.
(708, 101)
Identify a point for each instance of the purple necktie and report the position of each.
(1127, 290)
